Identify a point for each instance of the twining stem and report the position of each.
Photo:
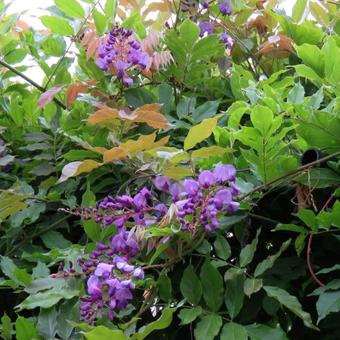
(309, 261)
(38, 233)
(30, 81)
(289, 174)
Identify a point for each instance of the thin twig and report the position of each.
(289, 174)
(30, 81)
(69, 46)
(34, 235)
(309, 261)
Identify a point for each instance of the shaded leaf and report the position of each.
(208, 327)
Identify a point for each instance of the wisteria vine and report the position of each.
(111, 268)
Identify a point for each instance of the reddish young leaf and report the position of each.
(73, 91)
(49, 95)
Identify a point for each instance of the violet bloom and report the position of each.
(94, 286)
(175, 191)
(222, 198)
(206, 27)
(138, 273)
(162, 183)
(104, 270)
(227, 40)
(206, 179)
(123, 52)
(225, 7)
(224, 173)
(125, 244)
(191, 187)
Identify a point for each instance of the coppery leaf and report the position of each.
(49, 95)
(73, 91)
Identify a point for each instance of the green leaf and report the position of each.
(308, 217)
(100, 21)
(212, 284)
(320, 178)
(234, 293)
(264, 332)
(269, 261)
(190, 286)
(207, 47)
(233, 331)
(189, 315)
(248, 252)
(331, 52)
(41, 270)
(47, 299)
(25, 330)
(208, 327)
(291, 227)
(222, 247)
(110, 8)
(71, 8)
(104, 333)
(53, 239)
(262, 118)
(200, 132)
(312, 57)
(6, 327)
(298, 10)
(136, 23)
(235, 113)
(206, 110)
(57, 25)
(290, 302)
(189, 33)
(19, 276)
(307, 72)
(252, 286)
(328, 302)
(53, 46)
(15, 56)
(329, 269)
(47, 323)
(164, 287)
(161, 323)
(296, 94)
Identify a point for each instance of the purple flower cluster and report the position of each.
(122, 52)
(227, 40)
(206, 27)
(225, 7)
(111, 277)
(199, 202)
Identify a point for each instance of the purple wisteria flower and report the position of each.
(227, 40)
(110, 268)
(122, 52)
(225, 7)
(162, 183)
(111, 274)
(206, 27)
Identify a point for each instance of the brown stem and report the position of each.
(309, 261)
(327, 203)
(294, 172)
(69, 46)
(30, 81)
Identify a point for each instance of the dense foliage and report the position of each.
(175, 175)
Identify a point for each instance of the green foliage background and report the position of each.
(270, 108)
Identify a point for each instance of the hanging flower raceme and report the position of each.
(110, 268)
(225, 7)
(199, 202)
(120, 53)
